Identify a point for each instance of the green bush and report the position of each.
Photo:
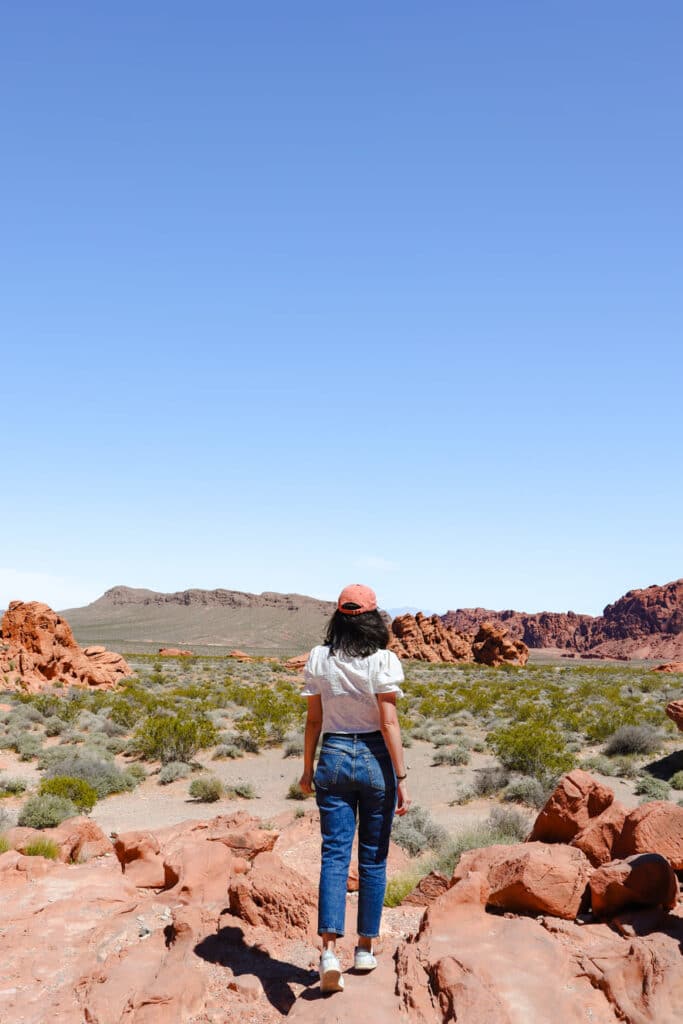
(172, 771)
(46, 811)
(490, 780)
(241, 789)
(416, 831)
(294, 747)
(451, 756)
(676, 781)
(54, 726)
(651, 789)
(226, 750)
(634, 739)
(42, 848)
(206, 789)
(295, 792)
(28, 747)
(4, 844)
(169, 738)
(11, 786)
(526, 790)
(531, 748)
(102, 773)
(81, 793)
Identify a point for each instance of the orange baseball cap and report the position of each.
(356, 599)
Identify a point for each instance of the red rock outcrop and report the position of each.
(646, 879)
(669, 666)
(675, 712)
(646, 623)
(536, 878)
(577, 800)
(37, 649)
(174, 652)
(426, 638)
(493, 646)
(654, 827)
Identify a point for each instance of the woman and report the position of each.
(352, 682)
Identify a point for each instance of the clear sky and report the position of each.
(298, 294)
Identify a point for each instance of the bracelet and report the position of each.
(400, 778)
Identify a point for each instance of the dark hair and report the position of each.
(358, 636)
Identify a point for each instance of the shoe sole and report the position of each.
(331, 980)
(364, 968)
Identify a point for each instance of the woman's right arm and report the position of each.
(391, 731)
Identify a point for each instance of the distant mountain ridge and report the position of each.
(645, 623)
(133, 618)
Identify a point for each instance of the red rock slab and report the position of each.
(174, 652)
(536, 878)
(669, 666)
(576, 800)
(647, 880)
(655, 827)
(598, 838)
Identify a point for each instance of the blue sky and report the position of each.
(300, 294)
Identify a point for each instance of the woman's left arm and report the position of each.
(314, 723)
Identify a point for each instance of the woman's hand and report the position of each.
(306, 783)
(404, 800)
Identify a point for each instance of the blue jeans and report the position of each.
(354, 776)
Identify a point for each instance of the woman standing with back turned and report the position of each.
(352, 682)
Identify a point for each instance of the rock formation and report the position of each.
(493, 646)
(174, 652)
(645, 623)
(670, 667)
(426, 638)
(37, 649)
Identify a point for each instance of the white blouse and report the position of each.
(348, 687)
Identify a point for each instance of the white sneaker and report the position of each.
(331, 979)
(364, 960)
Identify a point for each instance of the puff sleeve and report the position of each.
(311, 683)
(390, 674)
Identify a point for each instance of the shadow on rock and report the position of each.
(228, 949)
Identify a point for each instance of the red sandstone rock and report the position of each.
(275, 896)
(644, 623)
(427, 889)
(428, 639)
(240, 656)
(577, 799)
(532, 877)
(675, 712)
(174, 652)
(139, 855)
(198, 872)
(655, 827)
(598, 838)
(296, 664)
(493, 646)
(646, 879)
(79, 839)
(669, 666)
(37, 648)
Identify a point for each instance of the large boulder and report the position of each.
(536, 878)
(38, 649)
(494, 646)
(139, 855)
(647, 879)
(577, 800)
(655, 827)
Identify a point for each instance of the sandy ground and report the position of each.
(154, 806)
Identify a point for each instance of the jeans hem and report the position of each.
(330, 931)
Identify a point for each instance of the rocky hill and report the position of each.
(645, 623)
(129, 618)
